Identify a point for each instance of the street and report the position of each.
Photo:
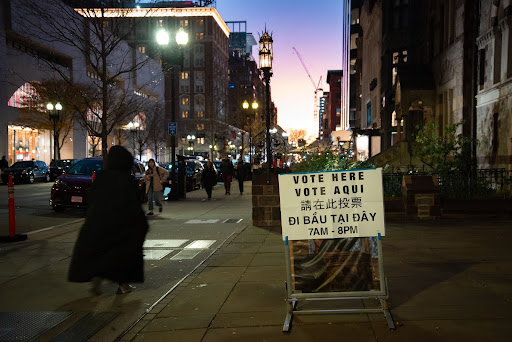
(33, 273)
(33, 211)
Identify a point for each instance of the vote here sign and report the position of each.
(332, 204)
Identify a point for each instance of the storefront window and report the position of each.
(26, 143)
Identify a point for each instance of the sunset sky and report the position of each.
(314, 29)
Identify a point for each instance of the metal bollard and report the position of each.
(13, 237)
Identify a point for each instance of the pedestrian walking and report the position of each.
(109, 245)
(209, 178)
(3, 164)
(155, 178)
(241, 174)
(226, 167)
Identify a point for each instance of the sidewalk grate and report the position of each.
(26, 326)
(232, 220)
(86, 327)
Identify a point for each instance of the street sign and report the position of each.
(173, 128)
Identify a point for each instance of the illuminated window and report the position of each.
(199, 36)
(200, 127)
(184, 75)
(200, 114)
(200, 141)
(185, 101)
(184, 114)
(184, 22)
(24, 96)
(105, 23)
(398, 58)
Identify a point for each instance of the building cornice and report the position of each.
(154, 13)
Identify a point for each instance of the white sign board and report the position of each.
(334, 204)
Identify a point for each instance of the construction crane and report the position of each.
(316, 86)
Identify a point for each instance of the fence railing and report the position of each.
(482, 183)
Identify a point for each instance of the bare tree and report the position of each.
(93, 35)
(156, 136)
(296, 134)
(33, 112)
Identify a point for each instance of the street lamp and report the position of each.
(191, 139)
(54, 116)
(133, 127)
(266, 57)
(162, 38)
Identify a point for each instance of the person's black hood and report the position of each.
(119, 159)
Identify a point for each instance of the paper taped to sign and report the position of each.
(332, 204)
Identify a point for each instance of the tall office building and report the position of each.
(201, 89)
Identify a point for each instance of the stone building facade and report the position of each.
(494, 84)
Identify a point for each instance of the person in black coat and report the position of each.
(227, 169)
(241, 174)
(209, 178)
(109, 245)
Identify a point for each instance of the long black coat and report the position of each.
(209, 177)
(110, 242)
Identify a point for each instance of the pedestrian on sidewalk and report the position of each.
(109, 245)
(3, 165)
(241, 174)
(227, 169)
(155, 178)
(209, 178)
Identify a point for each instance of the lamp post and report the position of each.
(191, 139)
(54, 115)
(162, 38)
(251, 117)
(134, 127)
(266, 57)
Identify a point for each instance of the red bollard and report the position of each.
(93, 175)
(12, 216)
(13, 237)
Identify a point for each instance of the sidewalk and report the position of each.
(449, 280)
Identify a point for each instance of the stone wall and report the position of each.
(266, 211)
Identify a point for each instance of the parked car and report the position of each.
(27, 172)
(59, 166)
(194, 173)
(70, 189)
